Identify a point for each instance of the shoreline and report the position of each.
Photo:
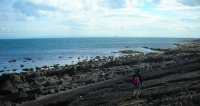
(12, 63)
(24, 63)
(34, 85)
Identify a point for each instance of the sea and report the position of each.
(17, 54)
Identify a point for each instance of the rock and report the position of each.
(31, 69)
(22, 93)
(97, 57)
(156, 102)
(37, 68)
(22, 65)
(16, 78)
(27, 58)
(23, 86)
(8, 90)
(52, 91)
(12, 61)
(52, 82)
(144, 104)
(4, 77)
(32, 96)
(129, 52)
(60, 56)
(26, 69)
(67, 77)
(178, 104)
(14, 69)
(45, 67)
(56, 65)
(6, 103)
(38, 91)
(2, 71)
(186, 102)
(150, 98)
(151, 104)
(196, 99)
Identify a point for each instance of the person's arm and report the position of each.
(132, 79)
(141, 79)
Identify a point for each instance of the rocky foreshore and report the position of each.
(170, 78)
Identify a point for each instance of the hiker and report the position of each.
(137, 82)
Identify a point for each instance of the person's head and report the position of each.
(137, 71)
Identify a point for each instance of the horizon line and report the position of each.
(98, 37)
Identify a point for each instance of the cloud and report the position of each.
(2, 28)
(29, 8)
(155, 1)
(6, 2)
(190, 2)
(100, 17)
(183, 2)
(31, 18)
(114, 4)
(64, 5)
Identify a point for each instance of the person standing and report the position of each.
(137, 82)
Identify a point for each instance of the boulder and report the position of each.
(25, 86)
(12, 61)
(27, 58)
(7, 83)
(38, 91)
(22, 94)
(1, 71)
(16, 78)
(22, 65)
(32, 97)
(8, 90)
(14, 69)
(51, 89)
(67, 77)
(37, 68)
(26, 69)
(52, 82)
(6, 103)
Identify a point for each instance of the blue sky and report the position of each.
(99, 18)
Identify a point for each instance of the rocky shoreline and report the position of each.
(171, 77)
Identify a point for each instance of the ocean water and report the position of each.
(40, 52)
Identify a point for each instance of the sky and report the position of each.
(99, 18)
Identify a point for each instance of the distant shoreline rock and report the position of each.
(128, 52)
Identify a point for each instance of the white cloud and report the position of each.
(2, 28)
(67, 5)
(91, 13)
(95, 17)
(90, 17)
(176, 4)
(31, 18)
(133, 3)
